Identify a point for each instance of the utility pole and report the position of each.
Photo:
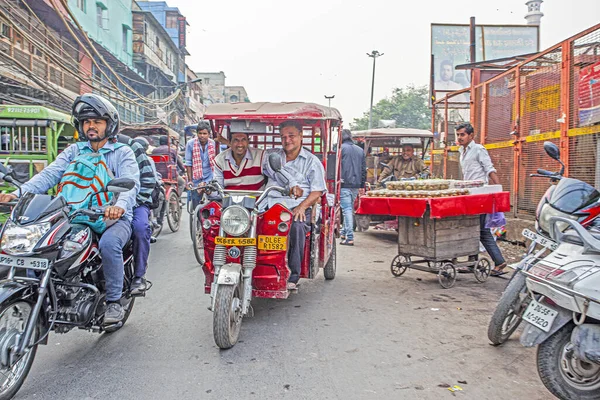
(374, 54)
(329, 98)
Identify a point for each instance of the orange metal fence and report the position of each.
(538, 100)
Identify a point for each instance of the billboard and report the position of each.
(450, 46)
(589, 95)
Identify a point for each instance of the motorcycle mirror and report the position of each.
(552, 150)
(275, 162)
(119, 185)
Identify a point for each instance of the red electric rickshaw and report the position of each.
(245, 247)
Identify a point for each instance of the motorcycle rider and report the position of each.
(98, 121)
(141, 230)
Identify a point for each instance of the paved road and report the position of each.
(364, 335)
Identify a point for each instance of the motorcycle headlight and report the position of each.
(235, 220)
(19, 240)
(547, 213)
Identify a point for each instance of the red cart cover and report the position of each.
(440, 207)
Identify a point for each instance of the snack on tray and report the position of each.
(467, 184)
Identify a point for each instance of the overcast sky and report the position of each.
(282, 50)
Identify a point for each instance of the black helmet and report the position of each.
(143, 142)
(89, 106)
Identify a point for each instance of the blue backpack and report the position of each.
(87, 174)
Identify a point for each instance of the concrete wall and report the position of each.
(115, 17)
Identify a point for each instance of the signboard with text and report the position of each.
(450, 46)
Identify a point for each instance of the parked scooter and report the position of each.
(569, 198)
(564, 322)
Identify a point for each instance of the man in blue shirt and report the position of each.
(200, 160)
(98, 120)
(306, 188)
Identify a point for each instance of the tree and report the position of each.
(408, 107)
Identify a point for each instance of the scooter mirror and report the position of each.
(119, 185)
(552, 150)
(275, 162)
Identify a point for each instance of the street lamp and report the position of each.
(329, 98)
(374, 54)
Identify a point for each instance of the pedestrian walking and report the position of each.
(354, 177)
(476, 164)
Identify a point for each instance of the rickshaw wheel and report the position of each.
(331, 266)
(447, 275)
(482, 269)
(400, 264)
(174, 211)
(197, 238)
(227, 316)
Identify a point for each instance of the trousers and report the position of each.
(347, 197)
(487, 240)
(141, 239)
(111, 249)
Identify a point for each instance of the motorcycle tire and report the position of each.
(551, 366)
(226, 327)
(197, 238)
(27, 361)
(499, 329)
(174, 211)
(331, 266)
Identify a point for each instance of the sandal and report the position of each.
(347, 243)
(499, 270)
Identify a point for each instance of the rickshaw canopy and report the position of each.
(17, 112)
(272, 112)
(393, 137)
(149, 130)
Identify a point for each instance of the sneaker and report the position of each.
(114, 313)
(291, 286)
(138, 286)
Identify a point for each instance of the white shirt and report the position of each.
(475, 162)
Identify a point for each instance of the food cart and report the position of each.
(380, 145)
(435, 232)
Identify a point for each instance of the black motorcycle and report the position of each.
(55, 278)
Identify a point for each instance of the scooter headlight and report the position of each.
(235, 220)
(19, 240)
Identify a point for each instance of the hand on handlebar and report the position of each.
(7, 197)
(113, 212)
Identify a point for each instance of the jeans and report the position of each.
(486, 238)
(347, 197)
(111, 248)
(196, 198)
(141, 239)
(297, 241)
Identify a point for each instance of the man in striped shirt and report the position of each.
(240, 167)
(141, 230)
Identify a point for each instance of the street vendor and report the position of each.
(476, 164)
(406, 165)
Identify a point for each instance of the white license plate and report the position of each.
(539, 239)
(540, 315)
(23, 262)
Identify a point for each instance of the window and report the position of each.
(102, 17)
(125, 39)
(81, 5)
(171, 20)
(5, 31)
(206, 81)
(157, 43)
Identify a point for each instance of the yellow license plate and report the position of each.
(272, 242)
(235, 241)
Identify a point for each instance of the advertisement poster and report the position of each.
(589, 95)
(450, 46)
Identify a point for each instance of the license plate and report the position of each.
(23, 262)
(272, 242)
(235, 241)
(540, 315)
(539, 239)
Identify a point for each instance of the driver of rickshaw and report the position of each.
(406, 165)
(307, 185)
(165, 150)
(240, 167)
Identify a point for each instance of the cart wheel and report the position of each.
(400, 264)
(447, 275)
(482, 269)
